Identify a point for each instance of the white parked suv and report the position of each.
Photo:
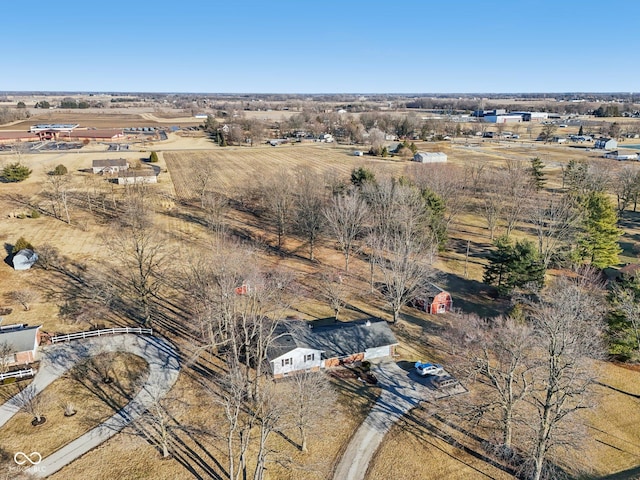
(425, 369)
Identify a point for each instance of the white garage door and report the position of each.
(377, 352)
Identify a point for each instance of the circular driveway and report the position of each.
(57, 359)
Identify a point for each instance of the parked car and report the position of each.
(424, 369)
(445, 381)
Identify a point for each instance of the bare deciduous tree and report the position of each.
(202, 180)
(627, 187)
(215, 206)
(568, 321)
(158, 423)
(278, 200)
(514, 188)
(346, 216)
(311, 402)
(334, 291)
(58, 189)
(24, 297)
(6, 357)
(29, 401)
(142, 252)
(555, 220)
(497, 352)
(309, 202)
(491, 205)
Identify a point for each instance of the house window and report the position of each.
(309, 358)
(442, 308)
(287, 361)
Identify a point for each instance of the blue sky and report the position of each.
(299, 46)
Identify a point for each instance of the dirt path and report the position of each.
(57, 359)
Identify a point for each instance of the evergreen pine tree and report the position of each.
(581, 131)
(537, 174)
(514, 266)
(599, 240)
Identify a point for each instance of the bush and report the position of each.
(21, 244)
(153, 158)
(15, 172)
(60, 170)
(34, 213)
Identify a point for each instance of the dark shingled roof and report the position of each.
(19, 339)
(338, 340)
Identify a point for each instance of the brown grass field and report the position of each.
(411, 450)
(93, 400)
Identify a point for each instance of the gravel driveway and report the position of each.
(401, 391)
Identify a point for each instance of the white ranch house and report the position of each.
(301, 347)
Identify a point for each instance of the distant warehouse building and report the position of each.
(507, 118)
(430, 157)
(532, 116)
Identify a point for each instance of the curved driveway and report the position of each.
(57, 359)
(400, 393)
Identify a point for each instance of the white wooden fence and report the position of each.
(30, 372)
(97, 333)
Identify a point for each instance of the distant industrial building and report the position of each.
(506, 118)
(532, 116)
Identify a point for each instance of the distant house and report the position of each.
(434, 301)
(430, 157)
(606, 144)
(326, 137)
(621, 155)
(24, 259)
(134, 177)
(300, 346)
(110, 165)
(22, 341)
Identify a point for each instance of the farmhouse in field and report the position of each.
(435, 300)
(606, 143)
(135, 177)
(24, 259)
(430, 157)
(302, 347)
(110, 166)
(22, 341)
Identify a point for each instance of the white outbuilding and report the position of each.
(24, 259)
(430, 157)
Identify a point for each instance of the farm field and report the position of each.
(175, 212)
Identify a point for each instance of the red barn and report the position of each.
(435, 300)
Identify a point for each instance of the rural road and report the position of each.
(57, 359)
(400, 393)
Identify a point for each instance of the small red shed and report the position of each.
(435, 300)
